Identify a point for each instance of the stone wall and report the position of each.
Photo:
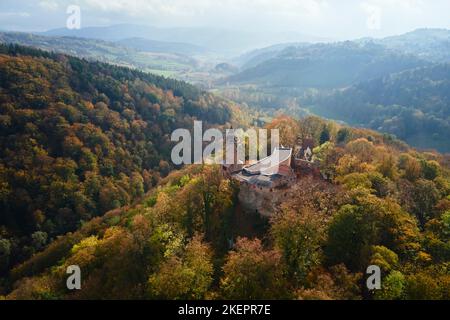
(264, 201)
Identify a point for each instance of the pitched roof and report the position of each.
(270, 165)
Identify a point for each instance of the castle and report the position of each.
(264, 184)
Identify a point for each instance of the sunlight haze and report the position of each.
(321, 18)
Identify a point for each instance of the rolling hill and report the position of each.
(429, 44)
(397, 85)
(146, 45)
(227, 42)
(326, 66)
(161, 58)
(253, 58)
(413, 105)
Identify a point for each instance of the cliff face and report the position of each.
(263, 201)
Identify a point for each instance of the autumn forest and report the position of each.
(86, 179)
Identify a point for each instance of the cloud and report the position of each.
(327, 18)
(374, 15)
(14, 14)
(399, 4)
(289, 7)
(50, 5)
(202, 7)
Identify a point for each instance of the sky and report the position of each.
(332, 19)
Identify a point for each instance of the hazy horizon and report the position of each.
(318, 18)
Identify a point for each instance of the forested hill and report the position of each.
(387, 205)
(79, 138)
(429, 44)
(398, 85)
(333, 65)
(413, 105)
(157, 57)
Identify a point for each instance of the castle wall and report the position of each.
(264, 200)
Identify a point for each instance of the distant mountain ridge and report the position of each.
(228, 42)
(147, 45)
(430, 44)
(137, 37)
(156, 57)
(427, 44)
(399, 84)
(326, 66)
(253, 58)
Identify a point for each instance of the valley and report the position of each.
(392, 85)
(333, 80)
(88, 179)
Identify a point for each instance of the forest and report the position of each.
(79, 138)
(398, 84)
(413, 105)
(86, 180)
(155, 57)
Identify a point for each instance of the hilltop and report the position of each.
(189, 238)
(396, 85)
(412, 104)
(333, 65)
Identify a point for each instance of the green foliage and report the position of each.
(346, 237)
(188, 277)
(393, 287)
(422, 287)
(446, 221)
(386, 259)
(430, 169)
(250, 272)
(425, 197)
(299, 237)
(369, 222)
(39, 240)
(343, 135)
(324, 135)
